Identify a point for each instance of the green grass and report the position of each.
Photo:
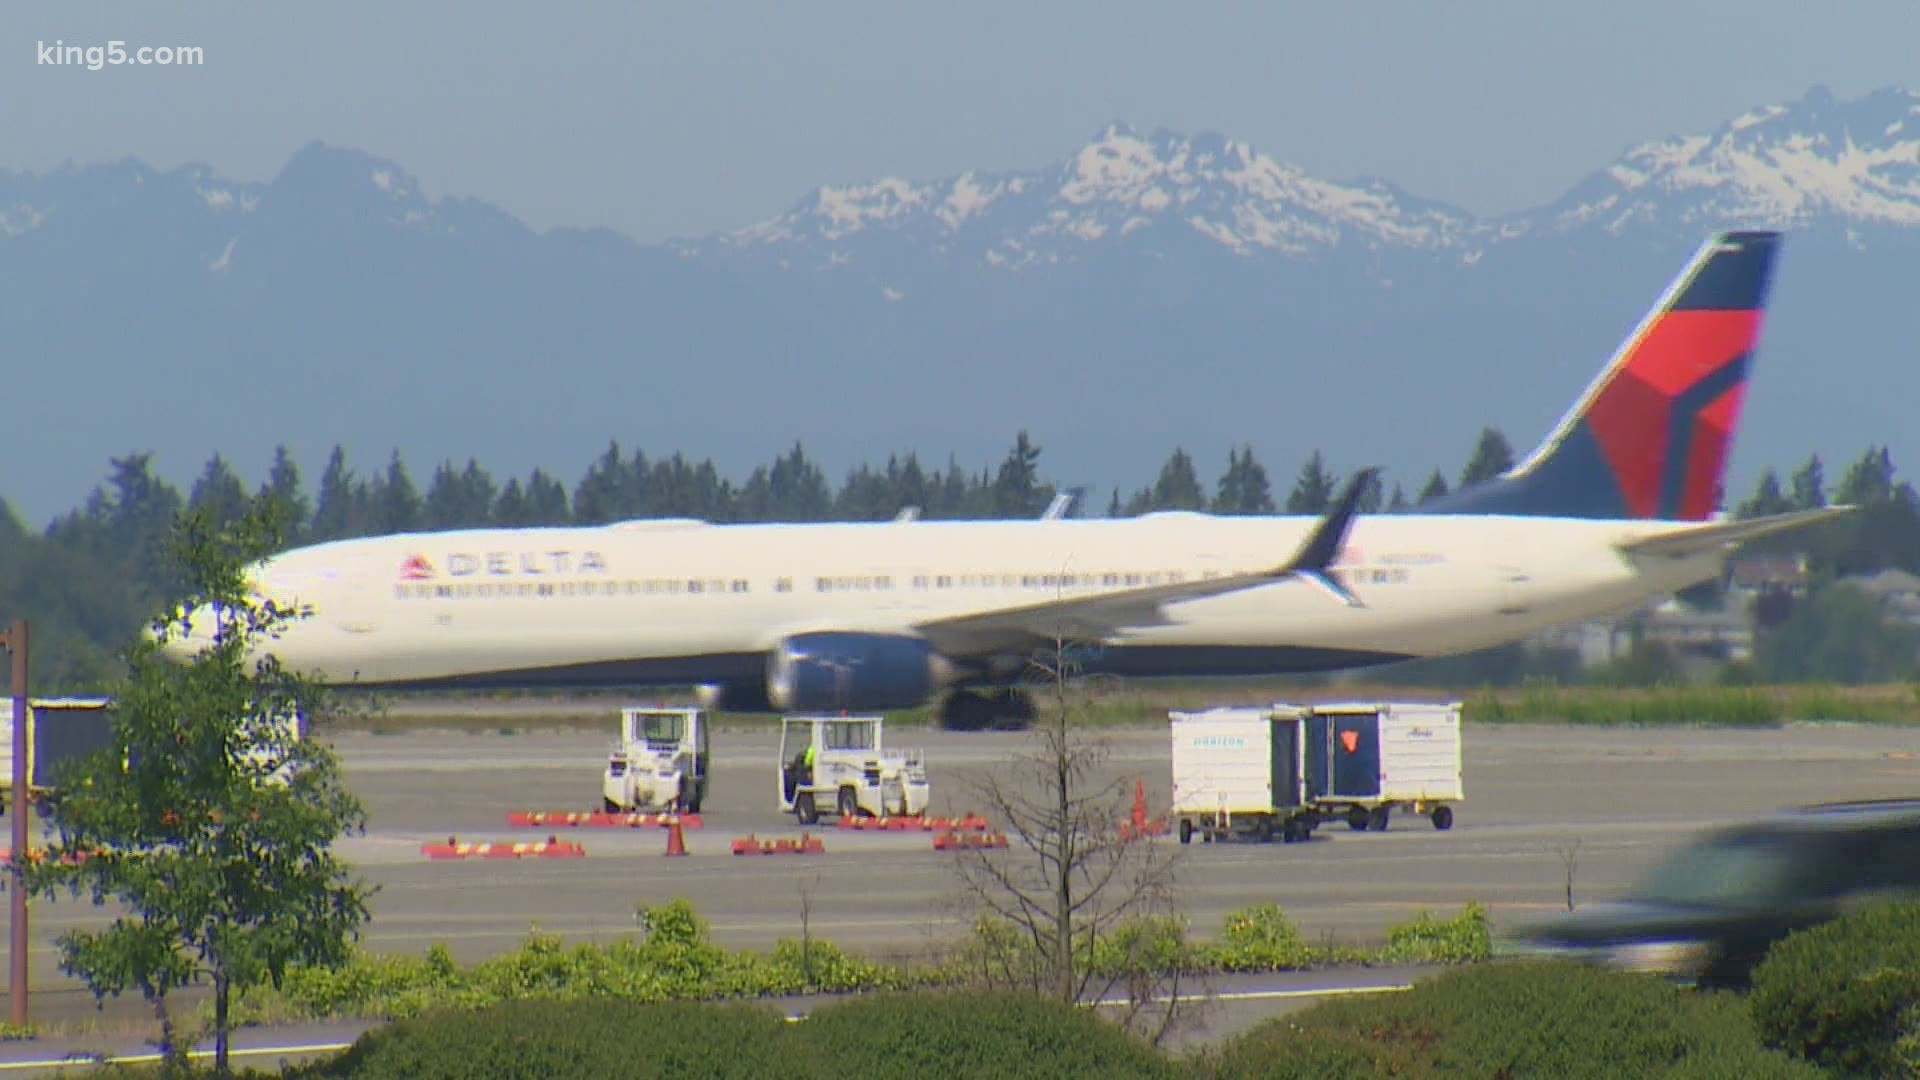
(1107, 703)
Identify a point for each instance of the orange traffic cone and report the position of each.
(676, 840)
(1140, 804)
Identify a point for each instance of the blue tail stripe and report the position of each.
(1680, 424)
(1734, 278)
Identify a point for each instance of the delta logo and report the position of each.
(506, 564)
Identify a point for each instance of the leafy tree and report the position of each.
(1491, 457)
(1313, 492)
(1243, 487)
(205, 821)
(1434, 488)
(1838, 635)
(1809, 485)
(283, 487)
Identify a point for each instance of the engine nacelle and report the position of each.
(836, 670)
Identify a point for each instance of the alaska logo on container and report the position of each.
(416, 568)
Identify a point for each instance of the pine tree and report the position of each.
(546, 500)
(1491, 457)
(219, 493)
(1243, 488)
(1809, 485)
(603, 493)
(284, 491)
(1435, 488)
(393, 504)
(333, 516)
(1313, 491)
(1398, 503)
(1178, 486)
(1767, 498)
(1016, 489)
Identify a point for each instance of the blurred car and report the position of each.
(1710, 911)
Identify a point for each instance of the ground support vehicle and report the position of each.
(1364, 759)
(57, 729)
(848, 773)
(659, 761)
(1239, 772)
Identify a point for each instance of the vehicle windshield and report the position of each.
(1730, 871)
(669, 728)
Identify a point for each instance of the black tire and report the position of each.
(1263, 830)
(849, 803)
(1186, 831)
(610, 806)
(1377, 821)
(1295, 832)
(805, 810)
(1357, 819)
(1443, 818)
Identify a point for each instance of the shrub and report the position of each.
(538, 1040)
(987, 1034)
(1463, 939)
(1259, 938)
(1529, 1019)
(1841, 994)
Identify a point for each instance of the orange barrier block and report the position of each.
(550, 848)
(966, 841)
(805, 844)
(540, 819)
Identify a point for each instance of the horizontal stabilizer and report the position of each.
(1701, 539)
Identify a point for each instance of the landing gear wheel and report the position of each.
(1443, 818)
(849, 803)
(1186, 831)
(1357, 819)
(1263, 831)
(1294, 832)
(610, 806)
(965, 710)
(1377, 821)
(804, 809)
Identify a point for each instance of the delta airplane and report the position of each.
(1617, 505)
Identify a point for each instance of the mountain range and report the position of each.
(1151, 289)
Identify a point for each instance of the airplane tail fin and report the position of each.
(1651, 436)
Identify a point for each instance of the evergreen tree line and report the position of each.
(97, 571)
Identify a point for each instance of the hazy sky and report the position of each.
(668, 119)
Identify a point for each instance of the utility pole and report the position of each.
(15, 642)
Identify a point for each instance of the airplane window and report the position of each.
(782, 584)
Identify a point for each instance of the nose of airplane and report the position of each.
(184, 638)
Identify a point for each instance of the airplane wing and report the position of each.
(1702, 539)
(1096, 617)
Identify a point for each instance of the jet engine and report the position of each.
(834, 670)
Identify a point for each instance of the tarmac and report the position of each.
(1541, 802)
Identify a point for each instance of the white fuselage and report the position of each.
(483, 605)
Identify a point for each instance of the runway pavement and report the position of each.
(1614, 798)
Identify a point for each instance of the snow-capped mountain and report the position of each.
(1122, 187)
(1812, 163)
(1143, 291)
